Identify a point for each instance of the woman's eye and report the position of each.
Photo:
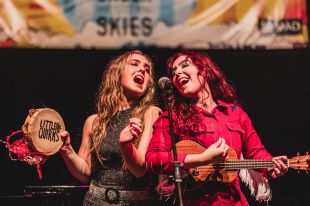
(185, 64)
(147, 69)
(133, 63)
(172, 71)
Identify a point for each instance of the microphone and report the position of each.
(165, 83)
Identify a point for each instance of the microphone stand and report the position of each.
(177, 167)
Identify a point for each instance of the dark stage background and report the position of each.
(273, 89)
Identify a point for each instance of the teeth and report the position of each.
(138, 79)
(183, 81)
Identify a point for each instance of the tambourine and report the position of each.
(42, 129)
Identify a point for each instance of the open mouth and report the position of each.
(139, 79)
(182, 81)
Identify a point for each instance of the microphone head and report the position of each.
(165, 83)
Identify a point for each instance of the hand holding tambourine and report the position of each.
(42, 129)
(41, 137)
(66, 147)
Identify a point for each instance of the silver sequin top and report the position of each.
(111, 173)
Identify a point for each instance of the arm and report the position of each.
(159, 157)
(254, 149)
(79, 165)
(135, 157)
(216, 153)
(252, 146)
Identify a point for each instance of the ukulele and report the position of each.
(228, 170)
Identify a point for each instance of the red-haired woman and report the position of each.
(205, 110)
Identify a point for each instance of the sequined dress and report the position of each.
(110, 184)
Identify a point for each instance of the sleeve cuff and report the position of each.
(181, 158)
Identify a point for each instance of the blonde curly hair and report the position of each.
(110, 98)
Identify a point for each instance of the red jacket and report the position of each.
(225, 120)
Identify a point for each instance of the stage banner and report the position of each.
(192, 24)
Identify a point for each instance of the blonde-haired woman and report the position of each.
(114, 141)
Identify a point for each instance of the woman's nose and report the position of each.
(141, 69)
(178, 71)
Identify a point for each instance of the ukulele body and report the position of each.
(208, 172)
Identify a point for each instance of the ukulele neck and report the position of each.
(245, 164)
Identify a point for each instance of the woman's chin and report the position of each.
(135, 94)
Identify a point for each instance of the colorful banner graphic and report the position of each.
(195, 24)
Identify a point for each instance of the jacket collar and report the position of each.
(221, 106)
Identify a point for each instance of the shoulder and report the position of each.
(152, 113)
(236, 111)
(91, 122)
(232, 108)
(153, 110)
(238, 108)
(235, 108)
(92, 118)
(162, 120)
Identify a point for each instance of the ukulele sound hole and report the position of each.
(194, 172)
(217, 176)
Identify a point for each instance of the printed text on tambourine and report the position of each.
(49, 130)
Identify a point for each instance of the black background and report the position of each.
(272, 86)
